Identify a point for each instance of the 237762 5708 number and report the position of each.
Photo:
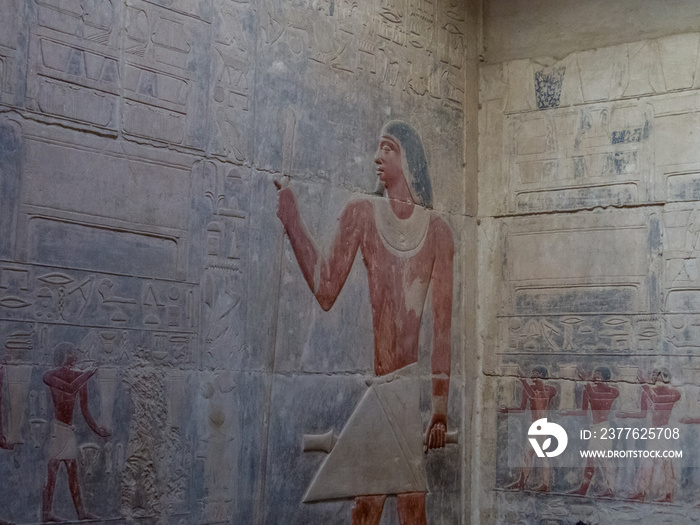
(637, 433)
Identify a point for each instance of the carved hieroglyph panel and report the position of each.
(353, 67)
(369, 38)
(577, 335)
(147, 76)
(681, 253)
(677, 165)
(650, 67)
(578, 286)
(31, 293)
(593, 262)
(233, 66)
(92, 199)
(598, 155)
(74, 61)
(615, 289)
(576, 135)
(166, 63)
(10, 28)
(222, 193)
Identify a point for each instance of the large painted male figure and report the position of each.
(406, 249)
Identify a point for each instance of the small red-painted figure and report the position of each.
(599, 396)
(659, 400)
(407, 250)
(539, 396)
(66, 384)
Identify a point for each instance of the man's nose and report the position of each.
(377, 160)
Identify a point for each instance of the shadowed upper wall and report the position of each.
(528, 28)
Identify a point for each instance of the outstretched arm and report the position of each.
(325, 277)
(442, 335)
(100, 431)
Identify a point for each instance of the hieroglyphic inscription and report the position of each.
(75, 69)
(571, 159)
(579, 335)
(415, 45)
(615, 325)
(164, 72)
(9, 32)
(232, 71)
(677, 162)
(111, 305)
(645, 68)
(551, 268)
(222, 189)
(681, 257)
(146, 76)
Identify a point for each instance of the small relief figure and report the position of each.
(659, 400)
(66, 384)
(599, 396)
(407, 250)
(539, 395)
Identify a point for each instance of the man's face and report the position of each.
(660, 376)
(70, 359)
(388, 160)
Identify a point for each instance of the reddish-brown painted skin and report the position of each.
(396, 327)
(539, 395)
(367, 510)
(66, 384)
(659, 399)
(599, 397)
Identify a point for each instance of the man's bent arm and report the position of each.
(51, 379)
(103, 432)
(334, 270)
(324, 277)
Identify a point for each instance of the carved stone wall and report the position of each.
(588, 204)
(163, 359)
